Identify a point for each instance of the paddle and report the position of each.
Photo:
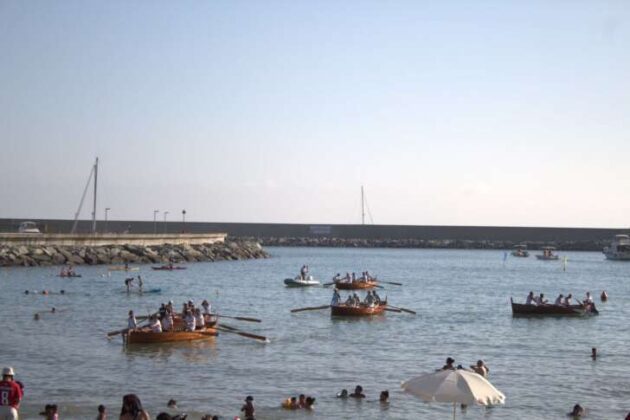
(409, 311)
(244, 334)
(390, 282)
(241, 318)
(393, 310)
(328, 284)
(312, 308)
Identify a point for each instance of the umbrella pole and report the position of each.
(454, 409)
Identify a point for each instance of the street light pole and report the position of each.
(155, 212)
(183, 221)
(165, 225)
(107, 209)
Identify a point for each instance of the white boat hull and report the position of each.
(298, 282)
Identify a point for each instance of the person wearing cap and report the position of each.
(10, 395)
(248, 408)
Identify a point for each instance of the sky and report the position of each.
(497, 113)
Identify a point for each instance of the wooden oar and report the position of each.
(245, 334)
(392, 309)
(312, 308)
(409, 311)
(241, 318)
(328, 284)
(390, 282)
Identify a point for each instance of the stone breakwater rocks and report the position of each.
(116, 254)
(429, 243)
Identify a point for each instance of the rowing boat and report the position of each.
(150, 337)
(300, 282)
(122, 268)
(341, 309)
(355, 285)
(520, 309)
(144, 291)
(69, 275)
(168, 267)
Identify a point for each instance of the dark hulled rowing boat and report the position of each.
(355, 285)
(520, 309)
(342, 309)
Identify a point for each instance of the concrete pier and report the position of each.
(109, 239)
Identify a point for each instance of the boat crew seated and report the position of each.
(588, 298)
(558, 301)
(155, 324)
(199, 320)
(530, 299)
(132, 324)
(567, 300)
(369, 299)
(350, 300)
(167, 321)
(377, 298)
(357, 299)
(190, 321)
(540, 300)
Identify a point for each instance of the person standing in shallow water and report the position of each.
(248, 408)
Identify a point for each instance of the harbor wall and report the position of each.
(107, 239)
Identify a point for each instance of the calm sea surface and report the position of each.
(543, 366)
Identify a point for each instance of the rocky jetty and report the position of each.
(428, 243)
(114, 254)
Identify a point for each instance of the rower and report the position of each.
(337, 277)
(588, 298)
(354, 277)
(530, 299)
(541, 299)
(155, 325)
(558, 301)
(132, 324)
(377, 298)
(567, 300)
(206, 307)
(350, 301)
(167, 321)
(347, 277)
(190, 321)
(336, 297)
(199, 320)
(357, 299)
(369, 299)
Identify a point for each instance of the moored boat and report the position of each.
(355, 285)
(168, 267)
(301, 282)
(548, 254)
(341, 309)
(150, 337)
(619, 249)
(521, 309)
(520, 251)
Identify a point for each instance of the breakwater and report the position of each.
(586, 245)
(44, 255)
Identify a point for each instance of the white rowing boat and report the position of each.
(300, 282)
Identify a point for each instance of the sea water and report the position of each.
(461, 297)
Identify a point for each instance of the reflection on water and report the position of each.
(194, 352)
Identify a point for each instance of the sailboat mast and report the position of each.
(362, 207)
(94, 206)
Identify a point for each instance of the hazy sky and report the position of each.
(448, 112)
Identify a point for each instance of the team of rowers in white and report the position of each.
(365, 277)
(193, 317)
(561, 300)
(372, 299)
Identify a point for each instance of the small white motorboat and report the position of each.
(301, 282)
(619, 249)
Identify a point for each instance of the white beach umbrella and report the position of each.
(456, 386)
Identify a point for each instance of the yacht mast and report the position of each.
(362, 207)
(94, 206)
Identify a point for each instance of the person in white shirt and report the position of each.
(588, 298)
(541, 299)
(132, 324)
(190, 321)
(199, 320)
(559, 300)
(206, 307)
(531, 300)
(567, 300)
(167, 321)
(369, 299)
(155, 325)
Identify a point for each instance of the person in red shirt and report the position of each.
(10, 395)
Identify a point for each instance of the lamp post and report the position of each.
(165, 225)
(155, 212)
(107, 209)
(183, 221)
